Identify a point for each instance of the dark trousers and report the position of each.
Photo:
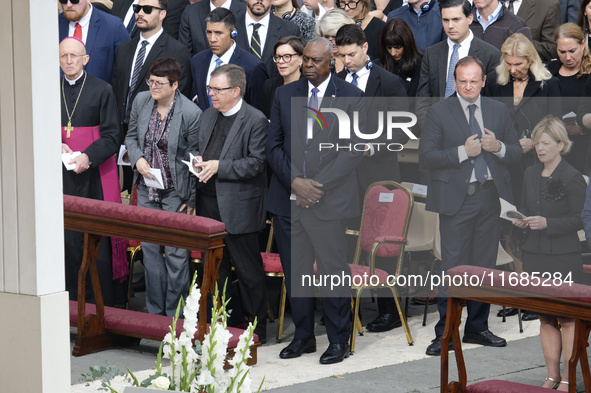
(242, 251)
(324, 242)
(470, 237)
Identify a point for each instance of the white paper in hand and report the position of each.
(509, 211)
(193, 160)
(67, 157)
(156, 180)
(123, 157)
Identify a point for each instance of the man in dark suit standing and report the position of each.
(135, 57)
(310, 197)
(467, 143)
(232, 185)
(259, 29)
(437, 68)
(542, 17)
(221, 32)
(100, 32)
(124, 10)
(192, 28)
(387, 93)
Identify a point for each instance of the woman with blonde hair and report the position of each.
(358, 10)
(530, 92)
(572, 69)
(553, 198)
(328, 26)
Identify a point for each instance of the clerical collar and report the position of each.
(152, 39)
(234, 110)
(226, 5)
(72, 83)
(85, 20)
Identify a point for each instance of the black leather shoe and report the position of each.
(335, 353)
(434, 349)
(485, 338)
(509, 312)
(384, 322)
(297, 347)
(529, 316)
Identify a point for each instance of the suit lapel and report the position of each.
(93, 29)
(530, 89)
(443, 68)
(298, 117)
(273, 34)
(154, 53)
(175, 126)
(234, 130)
(458, 114)
(526, 10)
(373, 83)
(143, 121)
(242, 39)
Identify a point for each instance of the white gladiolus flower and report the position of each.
(161, 383)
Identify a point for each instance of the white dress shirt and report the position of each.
(84, 23)
(362, 77)
(149, 46)
(262, 30)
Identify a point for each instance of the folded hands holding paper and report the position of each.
(203, 170)
(74, 160)
(520, 220)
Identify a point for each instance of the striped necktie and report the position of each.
(137, 67)
(255, 41)
(450, 86)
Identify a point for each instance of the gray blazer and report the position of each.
(241, 184)
(184, 129)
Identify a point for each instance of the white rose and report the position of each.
(161, 383)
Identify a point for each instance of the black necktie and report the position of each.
(255, 41)
(480, 171)
(510, 6)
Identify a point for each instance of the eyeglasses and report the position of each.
(215, 90)
(155, 84)
(147, 8)
(64, 2)
(285, 58)
(71, 56)
(352, 4)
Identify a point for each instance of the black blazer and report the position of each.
(278, 28)
(171, 22)
(287, 148)
(563, 213)
(192, 25)
(256, 75)
(165, 46)
(390, 94)
(268, 94)
(446, 128)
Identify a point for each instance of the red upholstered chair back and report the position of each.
(386, 214)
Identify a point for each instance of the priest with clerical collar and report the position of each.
(90, 125)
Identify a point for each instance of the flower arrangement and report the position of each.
(200, 368)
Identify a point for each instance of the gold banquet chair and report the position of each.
(387, 209)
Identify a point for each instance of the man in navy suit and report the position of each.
(310, 197)
(192, 27)
(221, 32)
(387, 93)
(101, 33)
(467, 143)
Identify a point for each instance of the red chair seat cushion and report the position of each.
(195, 254)
(586, 268)
(271, 262)
(359, 272)
(135, 323)
(133, 243)
(496, 386)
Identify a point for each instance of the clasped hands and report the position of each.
(82, 161)
(308, 191)
(487, 142)
(206, 169)
(535, 223)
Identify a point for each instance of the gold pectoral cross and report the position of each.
(69, 129)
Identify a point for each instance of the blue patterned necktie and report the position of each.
(355, 77)
(480, 171)
(218, 62)
(313, 103)
(450, 86)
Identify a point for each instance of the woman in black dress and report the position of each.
(358, 10)
(572, 69)
(287, 55)
(553, 198)
(399, 54)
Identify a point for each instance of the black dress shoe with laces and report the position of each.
(434, 349)
(297, 347)
(485, 338)
(384, 323)
(335, 353)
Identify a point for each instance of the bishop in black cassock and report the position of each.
(90, 124)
